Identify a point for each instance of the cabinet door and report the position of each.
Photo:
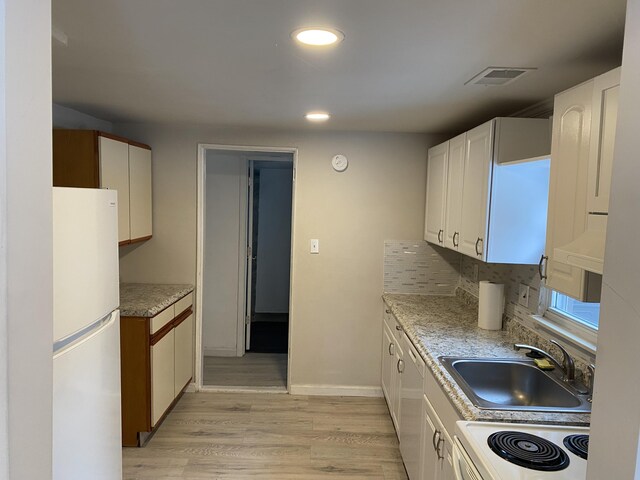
(184, 354)
(140, 188)
(162, 376)
(114, 175)
(475, 191)
(429, 457)
(436, 193)
(453, 203)
(411, 410)
(567, 211)
(603, 120)
(396, 380)
(388, 363)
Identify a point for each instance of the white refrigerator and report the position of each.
(86, 339)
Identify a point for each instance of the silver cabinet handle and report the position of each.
(543, 257)
(477, 242)
(400, 364)
(399, 328)
(387, 311)
(436, 433)
(440, 236)
(455, 243)
(440, 442)
(392, 349)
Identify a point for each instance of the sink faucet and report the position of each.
(567, 366)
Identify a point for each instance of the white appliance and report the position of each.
(86, 340)
(543, 446)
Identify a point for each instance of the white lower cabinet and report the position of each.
(436, 459)
(411, 408)
(183, 363)
(162, 376)
(421, 412)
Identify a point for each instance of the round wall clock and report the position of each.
(339, 163)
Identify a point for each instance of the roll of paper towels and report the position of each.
(490, 305)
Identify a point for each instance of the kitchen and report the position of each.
(174, 228)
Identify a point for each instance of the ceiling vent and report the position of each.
(498, 76)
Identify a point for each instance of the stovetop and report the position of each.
(502, 451)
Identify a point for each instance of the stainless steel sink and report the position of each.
(505, 384)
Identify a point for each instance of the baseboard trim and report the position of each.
(336, 390)
(219, 389)
(220, 352)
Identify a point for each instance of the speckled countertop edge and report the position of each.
(447, 326)
(149, 299)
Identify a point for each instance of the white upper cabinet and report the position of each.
(584, 125)
(604, 118)
(453, 211)
(496, 191)
(475, 191)
(140, 184)
(436, 193)
(114, 175)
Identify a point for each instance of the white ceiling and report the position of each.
(401, 67)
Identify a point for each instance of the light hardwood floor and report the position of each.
(251, 370)
(269, 436)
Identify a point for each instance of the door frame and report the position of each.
(201, 189)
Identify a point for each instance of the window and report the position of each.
(574, 320)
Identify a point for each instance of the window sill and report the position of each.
(578, 343)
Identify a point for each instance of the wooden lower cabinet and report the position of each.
(156, 367)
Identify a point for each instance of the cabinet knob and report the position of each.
(456, 235)
(387, 311)
(400, 366)
(392, 349)
(440, 236)
(398, 328)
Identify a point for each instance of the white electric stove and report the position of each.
(508, 451)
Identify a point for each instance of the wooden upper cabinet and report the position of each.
(93, 159)
(436, 193)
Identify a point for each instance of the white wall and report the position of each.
(26, 260)
(220, 296)
(615, 426)
(273, 254)
(336, 304)
(64, 117)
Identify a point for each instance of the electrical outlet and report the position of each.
(523, 295)
(476, 273)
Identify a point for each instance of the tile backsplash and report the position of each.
(418, 267)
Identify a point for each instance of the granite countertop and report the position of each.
(149, 299)
(448, 326)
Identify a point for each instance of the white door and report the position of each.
(475, 192)
(114, 175)
(86, 405)
(567, 211)
(85, 259)
(436, 190)
(225, 265)
(453, 204)
(251, 255)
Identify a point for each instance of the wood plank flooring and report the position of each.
(251, 370)
(270, 436)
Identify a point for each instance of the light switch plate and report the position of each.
(314, 245)
(523, 295)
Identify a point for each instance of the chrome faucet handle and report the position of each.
(591, 375)
(568, 364)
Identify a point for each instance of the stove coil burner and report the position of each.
(578, 445)
(529, 451)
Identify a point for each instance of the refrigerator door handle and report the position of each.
(70, 342)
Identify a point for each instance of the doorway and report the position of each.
(245, 216)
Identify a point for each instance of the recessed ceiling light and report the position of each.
(318, 36)
(317, 116)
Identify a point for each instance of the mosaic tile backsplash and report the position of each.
(417, 267)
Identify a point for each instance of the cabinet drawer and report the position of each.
(162, 319)
(184, 303)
